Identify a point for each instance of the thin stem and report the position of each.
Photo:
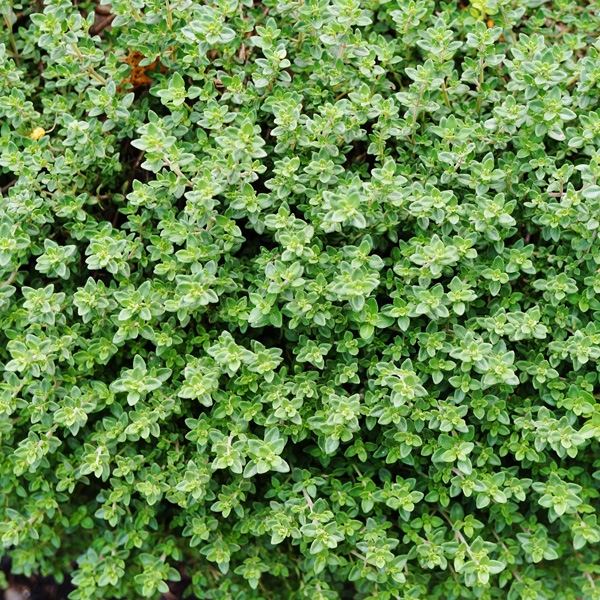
(11, 278)
(91, 71)
(308, 499)
(590, 579)
(8, 186)
(445, 94)
(359, 555)
(480, 98)
(13, 43)
(573, 79)
(169, 16)
(375, 85)
(414, 116)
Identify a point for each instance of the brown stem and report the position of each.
(12, 277)
(8, 186)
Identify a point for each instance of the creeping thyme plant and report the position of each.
(300, 299)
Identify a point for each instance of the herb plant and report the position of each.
(300, 299)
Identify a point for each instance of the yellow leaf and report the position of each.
(37, 133)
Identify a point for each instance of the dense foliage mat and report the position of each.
(300, 299)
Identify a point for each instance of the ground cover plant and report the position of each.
(300, 298)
